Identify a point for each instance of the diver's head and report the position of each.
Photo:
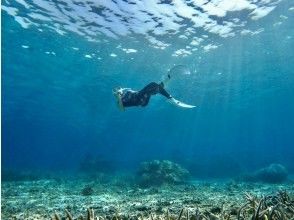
(117, 91)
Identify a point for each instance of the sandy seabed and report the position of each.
(197, 200)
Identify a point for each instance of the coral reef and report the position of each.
(156, 173)
(274, 173)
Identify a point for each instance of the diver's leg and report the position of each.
(150, 89)
(145, 93)
(163, 92)
(154, 88)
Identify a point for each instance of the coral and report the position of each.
(156, 173)
(90, 216)
(274, 173)
(278, 206)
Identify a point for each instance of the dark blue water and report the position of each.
(57, 102)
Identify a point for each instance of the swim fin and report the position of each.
(180, 104)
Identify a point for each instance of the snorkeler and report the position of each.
(127, 97)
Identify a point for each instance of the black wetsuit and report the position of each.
(141, 98)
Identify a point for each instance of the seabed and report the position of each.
(84, 199)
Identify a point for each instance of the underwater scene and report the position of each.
(147, 109)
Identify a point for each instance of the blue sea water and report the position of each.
(61, 60)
